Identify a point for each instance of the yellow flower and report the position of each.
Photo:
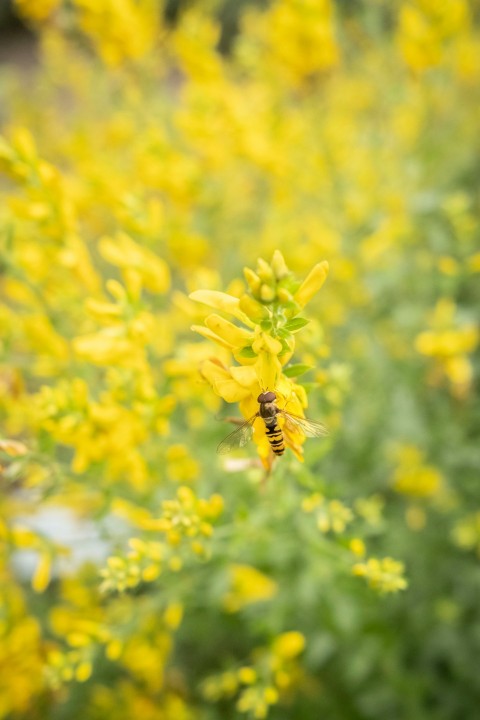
(413, 477)
(248, 585)
(449, 346)
(262, 347)
(385, 575)
(139, 265)
(119, 29)
(42, 574)
(37, 10)
(312, 284)
(289, 645)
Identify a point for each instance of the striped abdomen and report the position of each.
(275, 438)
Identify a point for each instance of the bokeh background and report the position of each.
(148, 150)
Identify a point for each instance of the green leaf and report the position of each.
(295, 324)
(296, 370)
(247, 352)
(266, 325)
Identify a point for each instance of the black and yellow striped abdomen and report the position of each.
(275, 438)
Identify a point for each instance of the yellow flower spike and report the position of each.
(385, 575)
(312, 284)
(223, 302)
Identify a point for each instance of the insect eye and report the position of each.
(269, 397)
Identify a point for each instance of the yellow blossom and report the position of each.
(312, 284)
(248, 585)
(385, 575)
(263, 349)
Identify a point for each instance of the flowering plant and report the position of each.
(264, 346)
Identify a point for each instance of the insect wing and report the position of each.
(239, 437)
(310, 428)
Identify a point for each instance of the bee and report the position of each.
(269, 413)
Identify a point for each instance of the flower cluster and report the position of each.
(384, 575)
(185, 524)
(331, 515)
(414, 477)
(449, 344)
(466, 533)
(263, 347)
(258, 686)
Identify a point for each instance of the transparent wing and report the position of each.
(239, 437)
(310, 428)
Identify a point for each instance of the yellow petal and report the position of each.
(41, 577)
(245, 375)
(104, 349)
(271, 344)
(206, 333)
(312, 283)
(222, 382)
(125, 253)
(252, 279)
(279, 266)
(235, 336)
(221, 301)
(255, 310)
(268, 370)
(264, 341)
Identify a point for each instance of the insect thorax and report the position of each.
(268, 411)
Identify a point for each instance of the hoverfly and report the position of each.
(269, 412)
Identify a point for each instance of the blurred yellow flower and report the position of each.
(248, 585)
(384, 575)
(413, 476)
(449, 346)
